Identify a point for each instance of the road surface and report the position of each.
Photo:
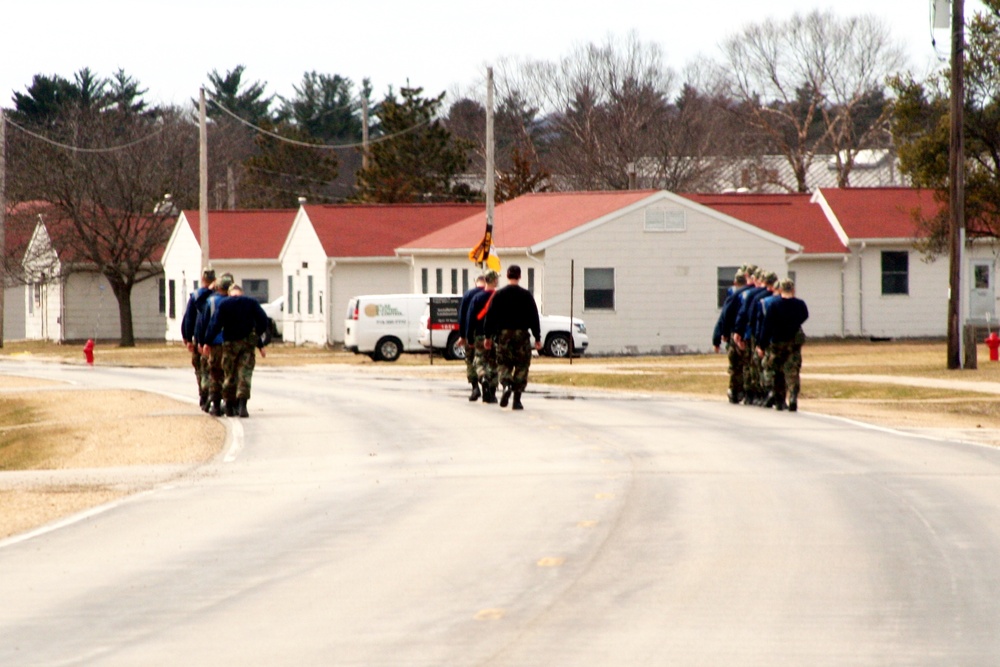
(363, 519)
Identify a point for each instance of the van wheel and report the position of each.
(389, 349)
(557, 345)
(453, 350)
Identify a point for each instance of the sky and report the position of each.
(439, 45)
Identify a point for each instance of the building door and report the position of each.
(982, 299)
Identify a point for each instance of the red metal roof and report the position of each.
(255, 234)
(880, 213)
(789, 216)
(376, 230)
(531, 219)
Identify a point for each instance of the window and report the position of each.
(309, 295)
(465, 281)
(982, 276)
(162, 285)
(531, 279)
(172, 299)
(895, 272)
(423, 281)
(257, 289)
(454, 281)
(599, 289)
(662, 220)
(724, 280)
(439, 275)
(288, 299)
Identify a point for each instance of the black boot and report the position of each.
(474, 396)
(204, 401)
(781, 406)
(489, 394)
(770, 400)
(505, 399)
(216, 405)
(734, 396)
(793, 403)
(517, 401)
(230, 407)
(241, 407)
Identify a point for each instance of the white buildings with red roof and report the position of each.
(246, 243)
(334, 252)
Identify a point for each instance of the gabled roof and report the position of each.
(376, 230)
(254, 234)
(791, 216)
(19, 226)
(531, 219)
(876, 213)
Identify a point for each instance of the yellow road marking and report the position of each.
(490, 614)
(551, 561)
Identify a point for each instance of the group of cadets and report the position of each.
(761, 326)
(495, 328)
(223, 329)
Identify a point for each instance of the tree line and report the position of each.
(604, 116)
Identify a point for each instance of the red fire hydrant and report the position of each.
(993, 342)
(88, 351)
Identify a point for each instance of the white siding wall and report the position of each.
(42, 316)
(665, 282)
(91, 310)
(14, 304)
(922, 312)
(350, 279)
(181, 264)
(304, 257)
(818, 283)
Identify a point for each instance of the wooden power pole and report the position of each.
(203, 179)
(956, 185)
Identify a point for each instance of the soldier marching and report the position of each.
(761, 325)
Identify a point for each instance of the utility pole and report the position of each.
(364, 130)
(3, 219)
(956, 185)
(490, 152)
(203, 179)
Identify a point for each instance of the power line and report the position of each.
(304, 144)
(78, 149)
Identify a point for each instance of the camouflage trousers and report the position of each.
(470, 362)
(238, 360)
(484, 363)
(753, 371)
(782, 365)
(736, 363)
(200, 370)
(513, 358)
(212, 374)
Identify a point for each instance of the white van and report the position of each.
(383, 326)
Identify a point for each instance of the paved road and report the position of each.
(371, 521)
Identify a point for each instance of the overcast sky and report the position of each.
(440, 45)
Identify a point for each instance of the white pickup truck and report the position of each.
(555, 330)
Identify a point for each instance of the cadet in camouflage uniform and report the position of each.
(724, 334)
(511, 318)
(467, 339)
(768, 285)
(485, 361)
(211, 347)
(239, 319)
(781, 346)
(197, 303)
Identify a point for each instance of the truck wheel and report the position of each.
(557, 345)
(453, 350)
(389, 349)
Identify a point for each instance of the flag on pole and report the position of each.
(484, 255)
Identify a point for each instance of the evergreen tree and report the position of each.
(283, 171)
(415, 158)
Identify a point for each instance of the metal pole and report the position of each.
(572, 277)
(364, 131)
(490, 154)
(956, 184)
(203, 179)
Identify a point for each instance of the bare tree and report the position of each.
(808, 82)
(103, 176)
(613, 111)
